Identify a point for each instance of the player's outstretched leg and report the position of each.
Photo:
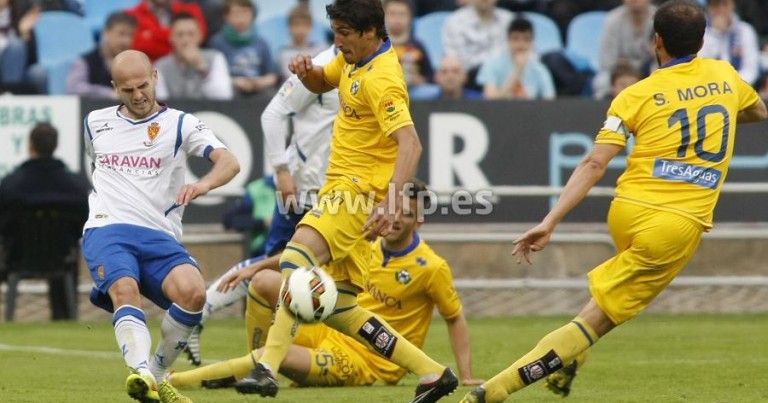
(560, 382)
(215, 301)
(435, 380)
(558, 347)
(262, 378)
(134, 341)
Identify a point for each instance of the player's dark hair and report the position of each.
(361, 15)
(520, 24)
(681, 25)
(416, 189)
(120, 18)
(44, 139)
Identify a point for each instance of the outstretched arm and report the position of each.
(225, 167)
(754, 113)
(313, 77)
(458, 332)
(586, 175)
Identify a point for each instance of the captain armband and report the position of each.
(616, 125)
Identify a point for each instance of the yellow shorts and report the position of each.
(653, 246)
(337, 360)
(339, 217)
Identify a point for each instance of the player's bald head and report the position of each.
(131, 64)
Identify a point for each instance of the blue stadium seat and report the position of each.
(546, 34)
(429, 30)
(274, 31)
(583, 39)
(97, 11)
(268, 9)
(61, 38)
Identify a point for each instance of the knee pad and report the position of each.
(540, 368)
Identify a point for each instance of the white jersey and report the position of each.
(140, 166)
(312, 116)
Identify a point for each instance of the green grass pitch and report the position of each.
(692, 358)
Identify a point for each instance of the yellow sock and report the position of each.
(283, 330)
(237, 367)
(258, 319)
(550, 354)
(378, 335)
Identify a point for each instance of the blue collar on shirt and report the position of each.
(163, 108)
(383, 48)
(399, 253)
(679, 60)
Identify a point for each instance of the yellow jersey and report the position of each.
(403, 288)
(373, 103)
(683, 118)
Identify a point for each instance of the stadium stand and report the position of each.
(268, 9)
(97, 11)
(61, 37)
(583, 39)
(429, 30)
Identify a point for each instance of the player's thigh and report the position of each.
(163, 257)
(354, 267)
(660, 244)
(338, 217)
(110, 253)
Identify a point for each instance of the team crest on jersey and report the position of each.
(152, 131)
(354, 88)
(403, 277)
(100, 272)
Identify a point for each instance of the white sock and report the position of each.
(175, 328)
(133, 337)
(215, 300)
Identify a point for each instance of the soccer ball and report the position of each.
(310, 294)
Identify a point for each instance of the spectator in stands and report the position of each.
(300, 27)
(517, 74)
(90, 75)
(250, 62)
(189, 71)
(451, 78)
(43, 180)
(729, 38)
(474, 34)
(17, 45)
(624, 40)
(398, 18)
(755, 12)
(623, 75)
(154, 24)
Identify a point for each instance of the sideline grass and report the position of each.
(701, 359)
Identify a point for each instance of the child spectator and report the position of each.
(622, 76)
(248, 56)
(153, 30)
(90, 75)
(398, 18)
(517, 74)
(191, 72)
(299, 26)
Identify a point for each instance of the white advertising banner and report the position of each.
(19, 114)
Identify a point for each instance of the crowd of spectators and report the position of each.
(487, 45)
